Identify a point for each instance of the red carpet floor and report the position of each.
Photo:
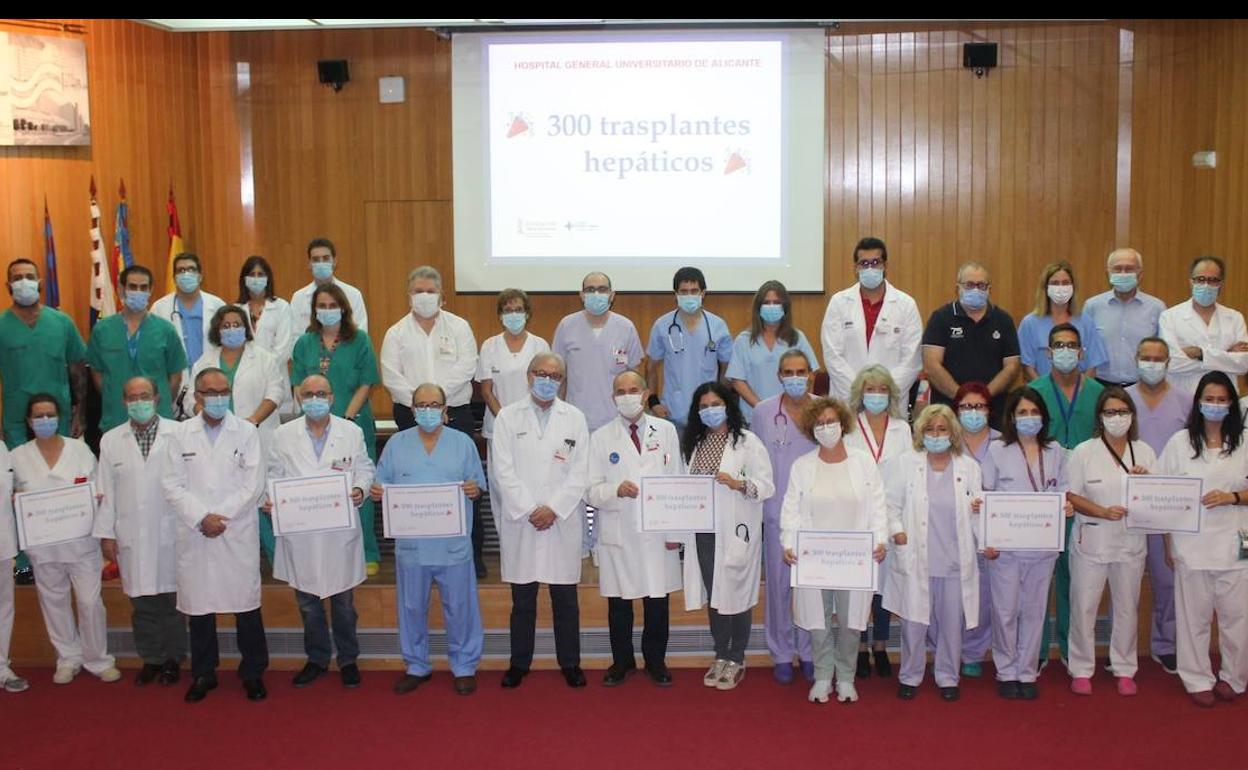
(546, 725)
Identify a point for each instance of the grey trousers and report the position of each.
(835, 652)
(730, 632)
(159, 629)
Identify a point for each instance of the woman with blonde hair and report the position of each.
(1056, 304)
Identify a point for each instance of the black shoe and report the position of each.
(255, 689)
(883, 666)
(1028, 691)
(907, 692)
(409, 682)
(465, 685)
(482, 571)
(170, 672)
(1008, 690)
(24, 576)
(864, 665)
(949, 693)
(615, 675)
(350, 674)
(147, 674)
(659, 674)
(574, 676)
(512, 677)
(200, 688)
(310, 673)
(1167, 661)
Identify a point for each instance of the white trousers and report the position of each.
(84, 643)
(1198, 595)
(6, 614)
(1087, 585)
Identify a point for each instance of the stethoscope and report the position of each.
(677, 342)
(781, 421)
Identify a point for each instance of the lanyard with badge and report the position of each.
(868, 438)
(1117, 458)
(1044, 484)
(132, 345)
(1067, 414)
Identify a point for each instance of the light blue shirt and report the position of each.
(760, 367)
(318, 444)
(690, 357)
(1120, 326)
(454, 459)
(1033, 343)
(192, 322)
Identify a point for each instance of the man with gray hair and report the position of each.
(1123, 316)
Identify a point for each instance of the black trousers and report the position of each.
(251, 645)
(567, 616)
(159, 629)
(653, 636)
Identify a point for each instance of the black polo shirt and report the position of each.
(973, 350)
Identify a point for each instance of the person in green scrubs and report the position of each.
(1070, 397)
(134, 343)
(335, 348)
(41, 351)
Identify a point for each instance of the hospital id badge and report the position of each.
(621, 358)
(561, 455)
(1243, 544)
(447, 348)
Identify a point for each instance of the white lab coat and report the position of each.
(632, 564)
(1216, 546)
(164, 308)
(260, 375)
(1096, 475)
(224, 477)
(898, 441)
(738, 562)
(870, 513)
(274, 331)
(535, 467)
(31, 473)
(908, 593)
(134, 511)
(8, 526)
(894, 343)
(1181, 327)
(301, 307)
(321, 563)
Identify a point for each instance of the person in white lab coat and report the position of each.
(268, 315)
(323, 565)
(1211, 566)
(934, 495)
(633, 564)
(136, 527)
(879, 408)
(259, 382)
(1203, 334)
(725, 565)
(190, 309)
(9, 680)
(323, 261)
(541, 469)
(836, 487)
(1101, 546)
(871, 322)
(48, 462)
(214, 483)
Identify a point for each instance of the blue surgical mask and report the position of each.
(187, 282)
(136, 301)
(771, 313)
(514, 322)
(794, 387)
(1029, 426)
(216, 407)
(45, 427)
(428, 419)
(314, 407)
(1124, 282)
(256, 284)
(875, 403)
(936, 444)
(329, 316)
(1065, 360)
(1152, 372)
(973, 299)
(141, 412)
(871, 277)
(322, 271)
(233, 337)
(689, 303)
(596, 303)
(25, 291)
(973, 422)
(1204, 295)
(713, 416)
(1214, 412)
(544, 388)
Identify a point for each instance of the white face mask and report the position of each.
(628, 405)
(1061, 294)
(1117, 427)
(828, 435)
(425, 304)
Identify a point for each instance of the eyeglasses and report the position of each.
(1207, 280)
(187, 269)
(1116, 413)
(1065, 346)
(211, 393)
(973, 408)
(596, 290)
(556, 376)
(427, 405)
(870, 263)
(318, 394)
(972, 285)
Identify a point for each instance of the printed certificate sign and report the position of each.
(677, 503)
(1024, 521)
(311, 504)
(53, 516)
(1163, 503)
(423, 510)
(835, 560)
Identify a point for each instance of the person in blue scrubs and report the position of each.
(756, 351)
(690, 345)
(1056, 304)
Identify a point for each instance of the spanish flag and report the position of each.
(176, 246)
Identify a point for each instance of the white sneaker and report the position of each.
(10, 682)
(65, 674)
(731, 676)
(712, 674)
(110, 674)
(845, 692)
(819, 691)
